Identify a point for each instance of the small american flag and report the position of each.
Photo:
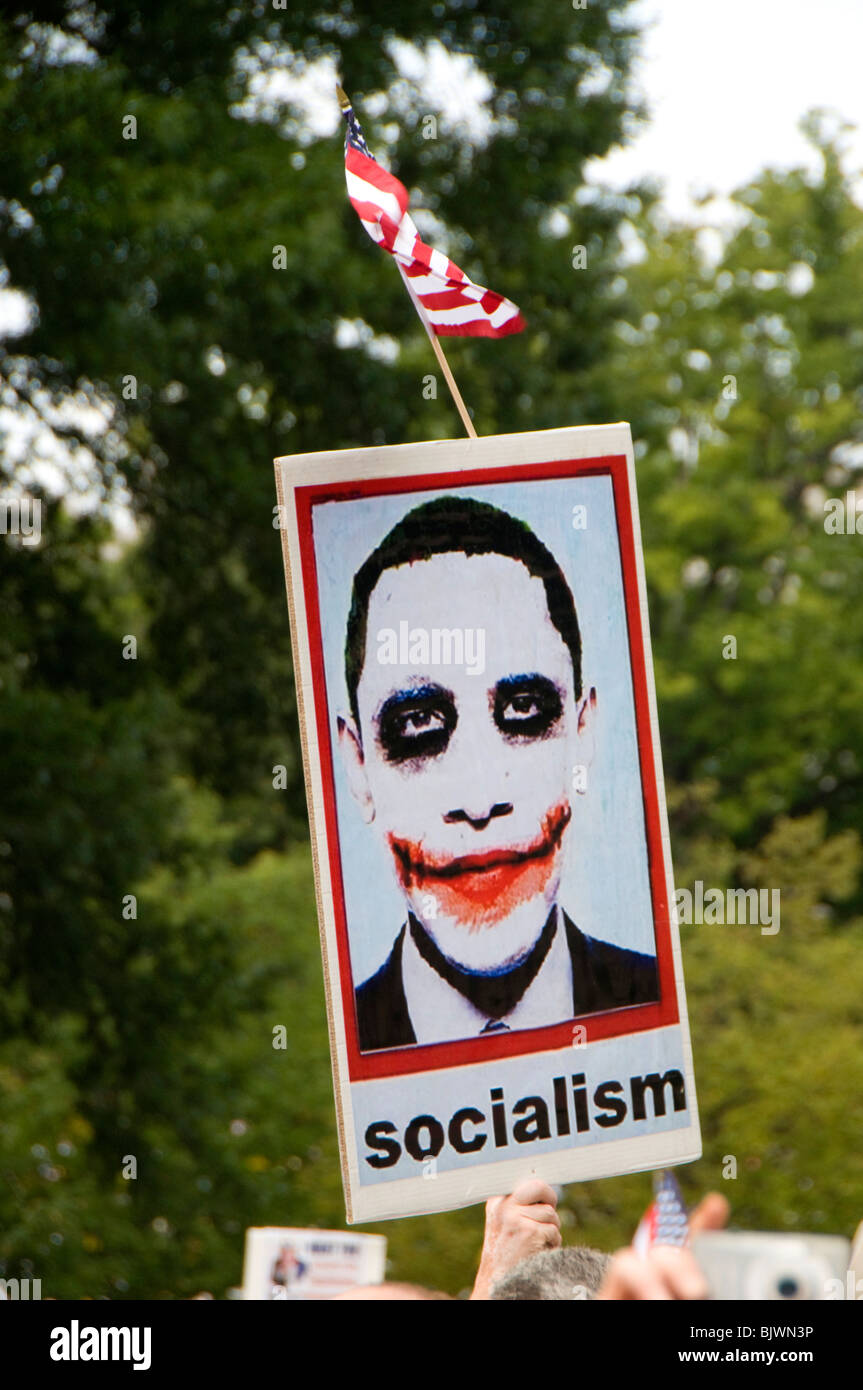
(666, 1221)
(450, 303)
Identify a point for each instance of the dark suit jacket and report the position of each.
(603, 977)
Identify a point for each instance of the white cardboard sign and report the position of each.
(484, 781)
(293, 1265)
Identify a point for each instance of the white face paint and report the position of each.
(467, 774)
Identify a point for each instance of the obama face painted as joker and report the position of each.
(468, 720)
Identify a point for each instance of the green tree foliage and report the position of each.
(141, 214)
(740, 368)
(742, 377)
(151, 265)
(153, 257)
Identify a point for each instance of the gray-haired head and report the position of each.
(572, 1273)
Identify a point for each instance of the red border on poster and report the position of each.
(615, 1023)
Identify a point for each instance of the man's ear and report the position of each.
(351, 747)
(586, 707)
(586, 744)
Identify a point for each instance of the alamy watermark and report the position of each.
(844, 517)
(22, 1290)
(21, 516)
(437, 646)
(728, 907)
(77, 1343)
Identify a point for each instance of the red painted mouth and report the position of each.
(479, 889)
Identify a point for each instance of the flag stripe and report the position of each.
(451, 303)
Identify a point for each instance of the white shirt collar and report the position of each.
(440, 1013)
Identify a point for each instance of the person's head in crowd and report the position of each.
(573, 1272)
(391, 1293)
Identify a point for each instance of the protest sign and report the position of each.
(295, 1265)
(488, 822)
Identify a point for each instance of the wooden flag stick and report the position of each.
(454, 391)
(439, 354)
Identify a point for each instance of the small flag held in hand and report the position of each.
(450, 303)
(666, 1221)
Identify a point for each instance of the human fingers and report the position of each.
(534, 1192)
(711, 1214)
(543, 1215)
(677, 1268)
(630, 1277)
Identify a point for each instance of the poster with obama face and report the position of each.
(488, 822)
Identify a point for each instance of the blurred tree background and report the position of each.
(157, 914)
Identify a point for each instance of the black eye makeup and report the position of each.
(526, 706)
(417, 723)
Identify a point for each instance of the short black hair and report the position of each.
(439, 527)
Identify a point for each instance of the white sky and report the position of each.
(727, 82)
